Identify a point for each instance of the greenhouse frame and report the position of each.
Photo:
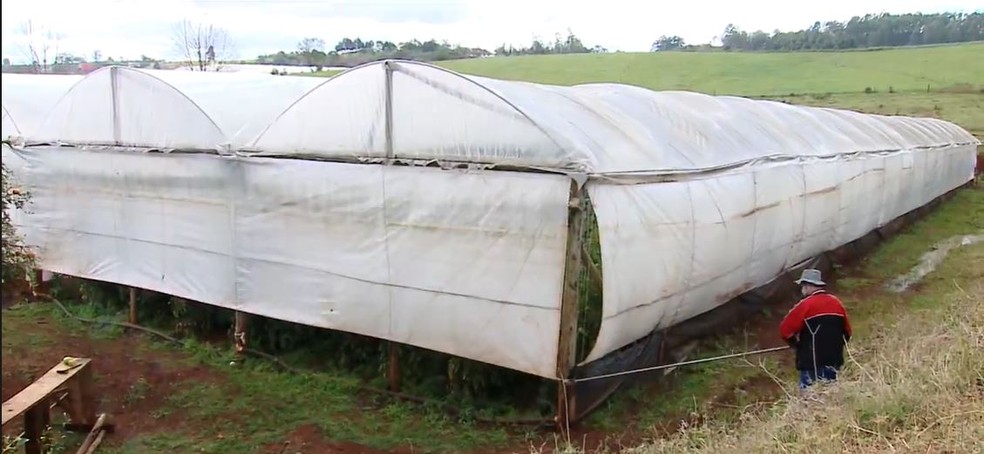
(405, 202)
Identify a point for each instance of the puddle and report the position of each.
(930, 261)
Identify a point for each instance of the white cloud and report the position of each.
(130, 28)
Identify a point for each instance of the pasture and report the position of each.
(189, 398)
(750, 74)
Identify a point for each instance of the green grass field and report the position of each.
(170, 396)
(749, 74)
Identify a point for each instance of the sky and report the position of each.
(131, 28)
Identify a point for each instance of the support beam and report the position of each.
(567, 346)
(133, 306)
(36, 422)
(393, 367)
(388, 103)
(40, 285)
(242, 323)
(80, 402)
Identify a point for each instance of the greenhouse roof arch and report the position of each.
(415, 111)
(27, 98)
(119, 106)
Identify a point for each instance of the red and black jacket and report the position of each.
(818, 328)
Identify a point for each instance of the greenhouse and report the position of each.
(409, 203)
(28, 98)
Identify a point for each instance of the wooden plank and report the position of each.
(40, 390)
(567, 345)
(95, 435)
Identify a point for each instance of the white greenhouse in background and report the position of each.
(405, 202)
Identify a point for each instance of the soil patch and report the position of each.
(132, 382)
(309, 440)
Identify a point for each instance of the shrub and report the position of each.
(17, 257)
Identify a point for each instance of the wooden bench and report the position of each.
(69, 389)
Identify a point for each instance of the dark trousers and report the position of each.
(809, 377)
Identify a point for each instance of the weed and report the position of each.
(137, 392)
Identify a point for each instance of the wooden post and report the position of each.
(567, 346)
(393, 369)
(40, 286)
(242, 322)
(36, 422)
(81, 403)
(87, 394)
(133, 306)
(393, 362)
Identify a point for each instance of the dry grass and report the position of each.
(914, 382)
(915, 385)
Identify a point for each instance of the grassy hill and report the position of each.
(750, 74)
(737, 73)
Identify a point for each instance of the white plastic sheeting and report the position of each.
(674, 250)
(470, 263)
(439, 115)
(698, 198)
(27, 99)
(168, 110)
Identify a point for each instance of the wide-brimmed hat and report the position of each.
(811, 276)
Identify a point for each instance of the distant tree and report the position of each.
(40, 46)
(667, 43)
(312, 52)
(203, 46)
(733, 38)
(311, 44)
(96, 56)
(6, 62)
(345, 44)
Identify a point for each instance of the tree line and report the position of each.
(868, 31)
(352, 52)
(349, 52)
(570, 44)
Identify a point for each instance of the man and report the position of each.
(817, 327)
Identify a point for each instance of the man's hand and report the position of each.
(792, 341)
